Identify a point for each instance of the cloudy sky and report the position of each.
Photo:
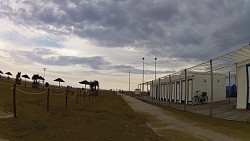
(104, 39)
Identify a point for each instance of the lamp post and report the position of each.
(142, 74)
(44, 69)
(155, 67)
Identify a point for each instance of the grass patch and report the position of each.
(106, 117)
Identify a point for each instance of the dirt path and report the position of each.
(165, 123)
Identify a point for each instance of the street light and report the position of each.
(155, 67)
(142, 74)
(44, 69)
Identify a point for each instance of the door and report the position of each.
(178, 91)
(190, 90)
(248, 81)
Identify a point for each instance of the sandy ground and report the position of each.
(166, 121)
(4, 114)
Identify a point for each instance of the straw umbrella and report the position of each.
(84, 82)
(1, 73)
(26, 77)
(59, 80)
(8, 73)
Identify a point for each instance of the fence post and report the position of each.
(77, 94)
(14, 99)
(84, 94)
(66, 104)
(212, 88)
(89, 94)
(48, 101)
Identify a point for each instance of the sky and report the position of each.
(103, 39)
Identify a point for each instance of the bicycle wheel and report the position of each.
(205, 99)
(195, 100)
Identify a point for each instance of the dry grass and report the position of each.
(106, 117)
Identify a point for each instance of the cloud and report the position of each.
(179, 33)
(40, 55)
(182, 29)
(126, 68)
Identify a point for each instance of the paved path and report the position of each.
(169, 122)
(221, 109)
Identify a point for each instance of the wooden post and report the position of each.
(14, 99)
(89, 94)
(230, 90)
(84, 94)
(77, 94)
(186, 90)
(170, 93)
(212, 88)
(48, 101)
(66, 104)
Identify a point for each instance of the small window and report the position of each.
(205, 80)
(218, 80)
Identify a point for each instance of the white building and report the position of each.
(174, 88)
(242, 72)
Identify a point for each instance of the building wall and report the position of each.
(176, 90)
(241, 84)
(203, 83)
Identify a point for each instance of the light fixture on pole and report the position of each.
(155, 67)
(143, 74)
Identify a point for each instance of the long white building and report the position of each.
(173, 88)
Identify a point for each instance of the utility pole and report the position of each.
(44, 69)
(142, 74)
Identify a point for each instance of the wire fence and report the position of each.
(206, 88)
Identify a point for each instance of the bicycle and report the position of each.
(199, 98)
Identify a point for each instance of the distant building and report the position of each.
(174, 89)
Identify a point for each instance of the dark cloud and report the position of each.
(126, 68)
(40, 55)
(167, 28)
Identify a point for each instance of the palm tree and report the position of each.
(93, 86)
(96, 84)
